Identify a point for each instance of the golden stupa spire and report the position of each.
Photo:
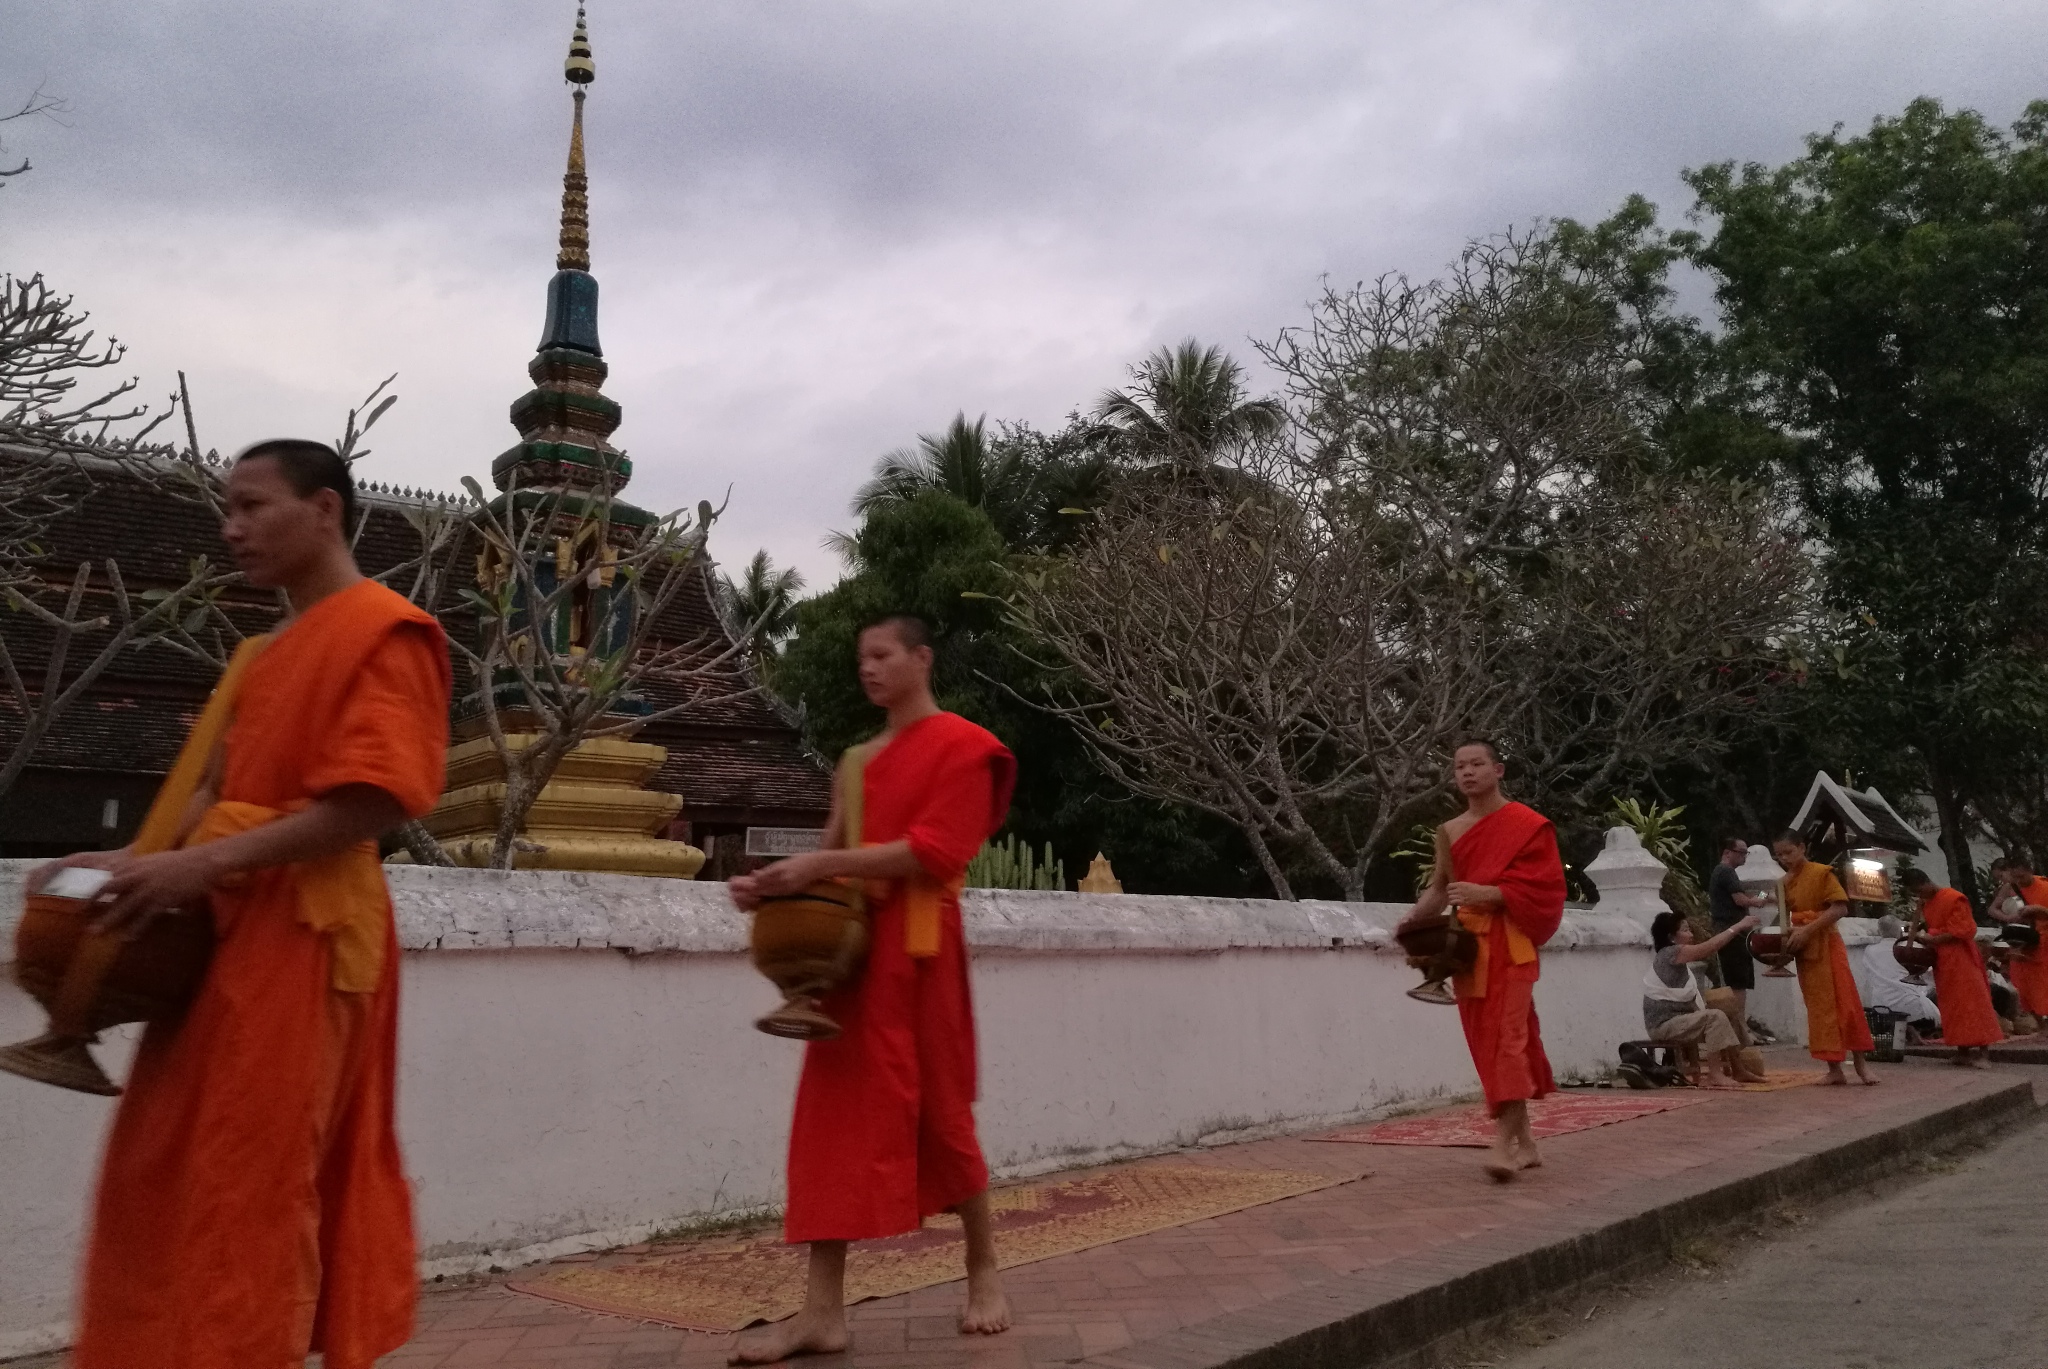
(580, 71)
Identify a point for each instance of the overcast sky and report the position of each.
(823, 226)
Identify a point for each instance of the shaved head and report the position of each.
(910, 629)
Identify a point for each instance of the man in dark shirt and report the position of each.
(1726, 906)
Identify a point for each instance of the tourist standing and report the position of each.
(253, 1205)
(1727, 905)
(1814, 902)
(884, 1135)
(1498, 869)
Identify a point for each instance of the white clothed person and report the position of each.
(1675, 1010)
(1882, 982)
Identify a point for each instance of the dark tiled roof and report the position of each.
(734, 753)
(1863, 816)
(740, 773)
(126, 733)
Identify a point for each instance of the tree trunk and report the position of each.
(422, 846)
(1955, 840)
(1281, 888)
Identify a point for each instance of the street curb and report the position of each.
(1395, 1317)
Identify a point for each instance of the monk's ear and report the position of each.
(329, 503)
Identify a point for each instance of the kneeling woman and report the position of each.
(1675, 1011)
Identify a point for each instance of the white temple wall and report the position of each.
(579, 1066)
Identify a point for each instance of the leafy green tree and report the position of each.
(1187, 406)
(927, 554)
(764, 598)
(1885, 302)
(1029, 484)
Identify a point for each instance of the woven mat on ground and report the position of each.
(1773, 1079)
(724, 1288)
(1553, 1116)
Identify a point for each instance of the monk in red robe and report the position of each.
(253, 1205)
(2022, 896)
(883, 1135)
(1814, 902)
(1968, 1021)
(1497, 865)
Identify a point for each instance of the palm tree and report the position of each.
(1187, 408)
(764, 598)
(963, 463)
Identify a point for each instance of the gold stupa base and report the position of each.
(593, 814)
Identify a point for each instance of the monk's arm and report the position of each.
(1996, 907)
(1436, 896)
(1828, 917)
(339, 819)
(893, 860)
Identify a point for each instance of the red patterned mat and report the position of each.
(1553, 1116)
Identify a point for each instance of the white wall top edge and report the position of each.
(453, 910)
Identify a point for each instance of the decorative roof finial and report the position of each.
(580, 71)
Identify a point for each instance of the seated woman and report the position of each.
(1675, 1011)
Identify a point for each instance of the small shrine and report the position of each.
(1859, 833)
(1100, 879)
(596, 811)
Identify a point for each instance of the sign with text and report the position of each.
(783, 841)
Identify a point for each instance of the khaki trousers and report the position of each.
(1709, 1027)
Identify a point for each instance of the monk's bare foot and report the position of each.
(1502, 1164)
(806, 1333)
(1526, 1157)
(1835, 1075)
(988, 1310)
(1980, 1059)
(1864, 1076)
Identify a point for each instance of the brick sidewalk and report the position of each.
(1425, 1215)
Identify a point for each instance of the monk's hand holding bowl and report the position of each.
(1463, 895)
(1796, 942)
(143, 886)
(790, 875)
(87, 860)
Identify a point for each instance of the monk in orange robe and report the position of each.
(1815, 901)
(883, 1135)
(2022, 896)
(253, 1205)
(1497, 865)
(1968, 1021)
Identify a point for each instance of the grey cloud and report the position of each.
(822, 226)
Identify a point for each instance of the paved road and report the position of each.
(1941, 1273)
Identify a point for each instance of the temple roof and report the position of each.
(1858, 818)
(729, 759)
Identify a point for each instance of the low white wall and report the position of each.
(579, 1065)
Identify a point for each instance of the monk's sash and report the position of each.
(922, 895)
(1512, 849)
(160, 830)
(1479, 922)
(341, 897)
